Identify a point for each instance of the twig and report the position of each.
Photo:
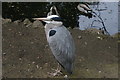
(51, 12)
(102, 23)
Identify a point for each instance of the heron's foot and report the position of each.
(56, 73)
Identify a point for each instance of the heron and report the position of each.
(60, 41)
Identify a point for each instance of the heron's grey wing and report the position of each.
(63, 48)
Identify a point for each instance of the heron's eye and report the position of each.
(52, 32)
(51, 20)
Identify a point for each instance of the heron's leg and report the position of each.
(57, 71)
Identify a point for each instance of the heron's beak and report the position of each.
(42, 19)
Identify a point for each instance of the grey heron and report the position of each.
(60, 41)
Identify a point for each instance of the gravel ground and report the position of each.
(26, 54)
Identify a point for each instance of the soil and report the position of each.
(26, 53)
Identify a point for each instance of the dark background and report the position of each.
(21, 10)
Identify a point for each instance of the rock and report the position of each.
(4, 53)
(17, 21)
(85, 43)
(37, 66)
(66, 77)
(4, 21)
(26, 22)
(37, 24)
(33, 62)
(99, 71)
(79, 37)
(20, 59)
(29, 25)
(100, 38)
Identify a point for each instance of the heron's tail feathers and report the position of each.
(69, 68)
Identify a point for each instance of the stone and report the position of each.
(37, 24)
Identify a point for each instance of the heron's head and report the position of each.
(52, 19)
